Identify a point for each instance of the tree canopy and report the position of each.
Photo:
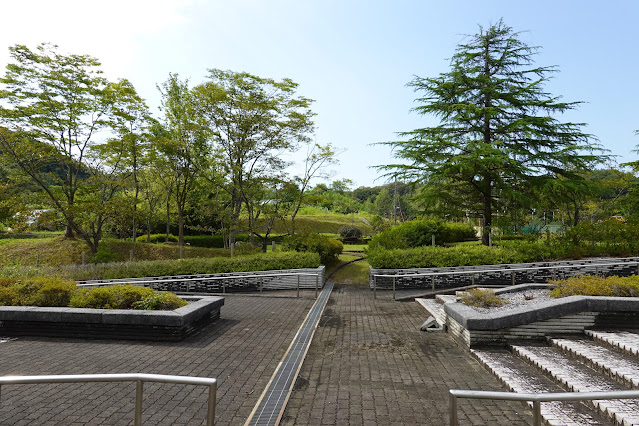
(498, 132)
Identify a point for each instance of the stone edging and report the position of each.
(470, 319)
(110, 323)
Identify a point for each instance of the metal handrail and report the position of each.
(133, 281)
(160, 280)
(482, 271)
(536, 398)
(139, 378)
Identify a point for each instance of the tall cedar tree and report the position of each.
(497, 127)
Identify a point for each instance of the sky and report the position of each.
(354, 58)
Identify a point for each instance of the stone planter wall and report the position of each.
(568, 315)
(111, 323)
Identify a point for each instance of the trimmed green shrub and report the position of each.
(110, 297)
(350, 233)
(36, 291)
(160, 301)
(104, 255)
(436, 257)
(418, 233)
(327, 248)
(156, 238)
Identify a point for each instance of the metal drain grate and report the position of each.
(271, 404)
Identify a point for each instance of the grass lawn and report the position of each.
(355, 273)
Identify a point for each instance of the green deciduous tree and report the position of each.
(497, 124)
(180, 142)
(54, 106)
(252, 122)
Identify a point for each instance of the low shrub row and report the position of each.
(597, 286)
(437, 257)
(58, 292)
(418, 233)
(154, 268)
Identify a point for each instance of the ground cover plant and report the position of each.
(588, 285)
(481, 298)
(58, 292)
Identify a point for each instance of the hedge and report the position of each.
(418, 233)
(155, 268)
(437, 257)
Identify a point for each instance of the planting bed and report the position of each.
(111, 323)
(539, 317)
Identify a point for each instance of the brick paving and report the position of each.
(241, 349)
(370, 365)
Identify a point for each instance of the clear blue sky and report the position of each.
(353, 57)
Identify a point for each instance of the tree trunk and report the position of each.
(69, 233)
(168, 219)
(487, 215)
(180, 226)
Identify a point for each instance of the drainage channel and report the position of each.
(270, 406)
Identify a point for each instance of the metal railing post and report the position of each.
(452, 410)
(537, 413)
(432, 282)
(512, 278)
(375, 286)
(298, 285)
(210, 413)
(316, 284)
(393, 287)
(261, 284)
(139, 389)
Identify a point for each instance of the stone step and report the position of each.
(625, 341)
(623, 368)
(577, 377)
(435, 308)
(520, 377)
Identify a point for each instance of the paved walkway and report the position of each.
(241, 349)
(368, 364)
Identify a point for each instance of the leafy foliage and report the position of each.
(588, 285)
(417, 233)
(245, 263)
(498, 135)
(327, 248)
(429, 257)
(481, 298)
(350, 233)
(156, 238)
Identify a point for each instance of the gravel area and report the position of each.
(518, 299)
